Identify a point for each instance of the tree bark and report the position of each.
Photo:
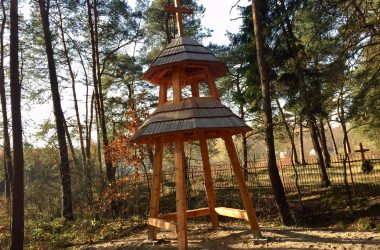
(289, 132)
(325, 182)
(67, 211)
(89, 127)
(325, 150)
(244, 136)
(98, 138)
(73, 86)
(332, 137)
(302, 150)
(277, 186)
(70, 142)
(342, 119)
(92, 22)
(17, 233)
(8, 168)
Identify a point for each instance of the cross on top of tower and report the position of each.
(178, 10)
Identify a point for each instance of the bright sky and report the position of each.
(217, 17)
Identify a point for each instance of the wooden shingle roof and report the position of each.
(184, 51)
(189, 115)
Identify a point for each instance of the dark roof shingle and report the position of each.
(190, 114)
(184, 50)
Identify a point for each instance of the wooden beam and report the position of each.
(232, 212)
(211, 197)
(190, 214)
(179, 163)
(195, 89)
(172, 9)
(176, 84)
(362, 150)
(163, 98)
(211, 85)
(242, 186)
(162, 224)
(156, 184)
(159, 76)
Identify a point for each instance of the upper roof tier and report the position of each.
(187, 53)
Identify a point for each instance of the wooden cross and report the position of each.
(362, 150)
(178, 10)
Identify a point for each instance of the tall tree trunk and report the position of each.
(73, 85)
(92, 22)
(325, 150)
(70, 142)
(98, 138)
(89, 126)
(67, 211)
(302, 149)
(289, 132)
(8, 168)
(342, 118)
(277, 186)
(325, 181)
(17, 234)
(244, 137)
(332, 137)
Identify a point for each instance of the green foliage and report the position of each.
(59, 234)
(160, 27)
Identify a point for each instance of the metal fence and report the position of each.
(309, 177)
(257, 179)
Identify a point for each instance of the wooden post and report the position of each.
(195, 89)
(176, 84)
(179, 162)
(351, 175)
(211, 198)
(242, 186)
(178, 10)
(163, 94)
(155, 189)
(212, 86)
(282, 173)
(179, 19)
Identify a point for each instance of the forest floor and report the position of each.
(324, 221)
(238, 236)
(319, 228)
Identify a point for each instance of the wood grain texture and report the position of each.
(211, 197)
(162, 224)
(155, 189)
(242, 186)
(181, 207)
(232, 212)
(199, 212)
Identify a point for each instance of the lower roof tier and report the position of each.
(190, 117)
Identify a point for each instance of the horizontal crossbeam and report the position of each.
(190, 214)
(162, 224)
(172, 9)
(232, 212)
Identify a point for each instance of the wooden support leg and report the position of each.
(155, 189)
(211, 198)
(242, 186)
(180, 193)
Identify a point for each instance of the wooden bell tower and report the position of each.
(186, 63)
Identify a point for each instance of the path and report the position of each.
(238, 237)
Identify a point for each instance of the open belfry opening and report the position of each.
(185, 64)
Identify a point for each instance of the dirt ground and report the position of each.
(238, 236)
